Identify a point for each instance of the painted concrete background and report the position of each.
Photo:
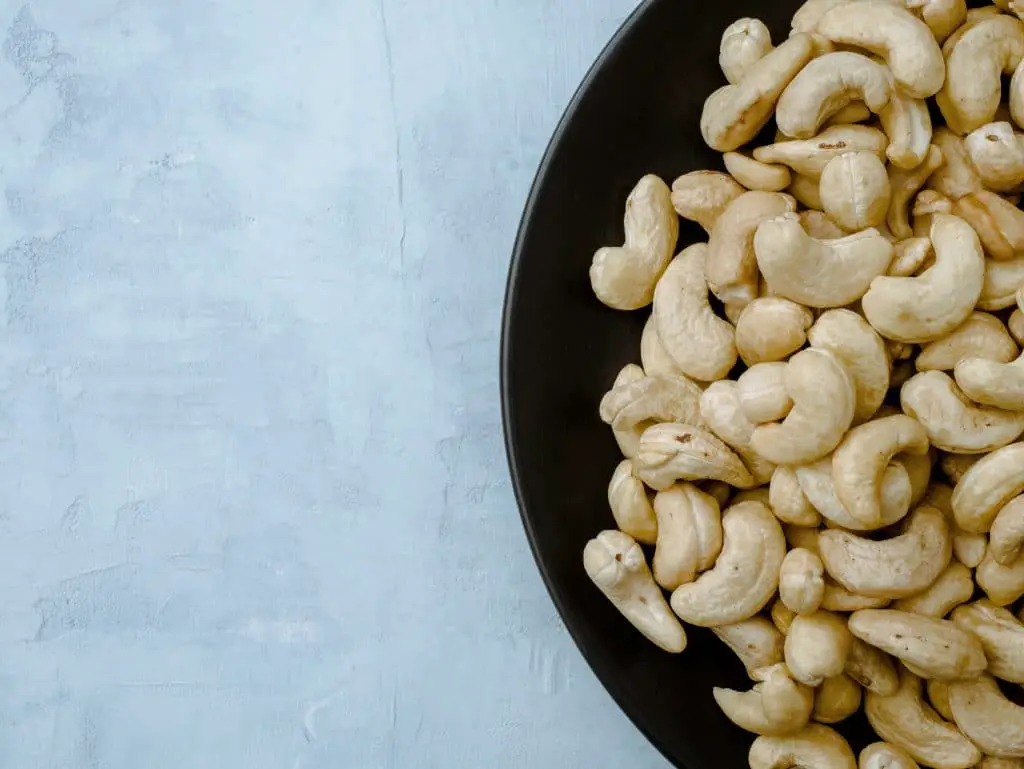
(232, 231)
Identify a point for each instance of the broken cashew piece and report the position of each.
(615, 563)
(632, 407)
(627, 497)
(763, 395)
(746, 574)
(861, 350)
(992, 383)
(756, 642)
(802, 581)
(771, 329)
(689, 534)
(983, 712)
(986, 486)
(814, 747)
(980, 336)
(721, 411)
(854, 190)
(952, 587)
(755, 175)
(997, 152)
(818, 484)
(909, 257)
(788, 501)
(624, 277)
(817, 646)
(702, 196)
(744, 43)
(836, 699)
(777, 706)
(808, 157)
(1001, 635)
(673, 452)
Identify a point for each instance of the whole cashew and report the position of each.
(826, 85)
(992, 383)
(951, 588)
(777, 706)
(788, 501)
(980, 336)
(756, 642)
(808, 157)
(734, 114)
(1002, 584)
(908, 722)
(721, 411)
(746, 575)
(816, 647)
(988, 485)
(702, 344)
(755, 175)
(633, 407)
(872, 668)
(854, 189)
(817, 482)
(836, 699)
(763, 395)
(998, 155)
(673, 452)
(615, 563)
(882, 755)
(861, 350)
(998, 222)
(818, 385)
(932, 648)
(905, 184)
(909, 257)
(1007, 536)
(815, 273)
(930, 306)
(628, 500)
(702, 196)
(802, 581)
(689, 534)
(1001, 635)
(953, 423)
(993, 722)
(624, 277)
(1002, 279)
(809, 14)
(771, 329)
(815, 747)
(656, 362)
(731, 267)
(744, 43)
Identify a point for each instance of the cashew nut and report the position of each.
(955, 465)
(1001, 635)
(815, 273)
(628, 500)
(1002, 279)
(854, 112)
(943, 17)
(689, 534)
(701, 343)
(720, 409)
(998, 222)
(802, 581)
(908, 125)
(782, 616)
(838, 598)
(904, 185)
(816, 647)
(633, 407)
(872, 668)
(756, 642)
(854, 189)
(938, 696)
(656, 362)
(702, 196)
(980, 336)
(788, 501)
(817, 482)
(820, 227)
(909, 257)
(983, 712)
(919, 470)
(808, 157)
(673, 452)
(771, 329)
(957, 176)
(992, 383)
(992, 762)
(721, 491)
(1007, 536)
(815, 747)
(926, 205)
(882, 755)
(987, 486)
(615, 563)
(624, 277)
(836, 699)
(1002, 584)
(763, 395)
(755, 175)
(777, 706)
(998, 155)
(951, 588)
(806, 190)
(968, 548)
(746, 574)
(1016, 326)
(744, 43)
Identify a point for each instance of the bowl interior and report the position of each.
(637, 112)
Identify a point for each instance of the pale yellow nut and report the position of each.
(777, 706)
(854, 112)
(952, 421)
(702, 196)
(656, 361)
(819, 226)
(938, 696)
(969, 549)
(854, 190)
(943, 17)
(817, 646)
(721, 411)
(806, 190)
(627, 497)
(998, 222)
(763, 396)
(882, 755)
(673, 452)
(872, 668)
(744, 43)
(624, 277)
(808, 157)
(810, 12)
(702, 344)
(838, 598)
(992, 383)
(997, 153)
(788, 501)
(802, 581)
(931, 202)
(1002, 584)
(988, 485)
(755, 641)
(980, 336)
(955, 465)
(746, 574)
(908, 125)
(815, 747)
(632, 407)
(760, 494)
(910, 257)
(782, 616)
(755, 175)
(615, 563)
(817, 481)
(771, 329)
(734, 114)
(983, 712)
(836, 699)
(932, 648)
(954, 586)
(905, 720)
(627, 439)
(689, 534)
(905, 185)
(1002, 280)
(718, 490)
(1001, 635)
(1007, 535)
(919, 470)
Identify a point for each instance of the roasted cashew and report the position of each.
(771, 329)
(734, 114)
(788, 501)
(702, 196)
(836, 699)
(854, 190)
(932, 648)
(826, 85)
(689, 534)
(1002, 584)
(615, 563)
(938, 696)
(928, 307)
(817, 482)
(756, 642)
(1007, 536)
(755, 175)
(731, 267)
(1002, 279)
(953, 423)
(673, 452)
(998, 222)
(980, 336)
(997, 153)
(746, 574)
(802, 581)
(816, 647)
(1001, 635)
(627, 497)
(763, 395)
(656, 361)
(721, 411)
(987, 486)
(815, 747)
(701, 343)
(983, 712)
(808, 157)
(624, 277)
(777, 706)
(872, 668)
(816, 273)
(882, 755)
(992, 383)
(905, 720)
(633, 407)
(909, 257)
(954, 586)
(744, 43)
(819, 386)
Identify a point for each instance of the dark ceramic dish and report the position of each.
(637, 112)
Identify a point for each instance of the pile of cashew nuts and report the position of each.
(822, 443)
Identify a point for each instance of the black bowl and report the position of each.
(637, 112)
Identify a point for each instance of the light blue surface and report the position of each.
(254, 509)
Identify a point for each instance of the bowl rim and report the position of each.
(603, 60)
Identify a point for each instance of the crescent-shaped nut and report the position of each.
(776, 707)
(997, 153)
(872, 668)
(954, 423)
(656, 362)
(826, 85)
(983, 712)
(731, 267)
(905, 184)
(998, 222)
(734, 114)
(836, 699)
(1001, 635)
(980, 336)
(908, 125)
(861, 350)
(992, 383)
(746, 575)
(816, 647)
(702, 196)
(819, 386)
(893, 33)
(689, 534)
(1002, 584)
(808, 157)
(756, 642)
(854, 190)
(1007, 536)
(627, 497)
(820, 273)
(702, 344)
(624, 277)
(755, 175)
(802, 581)
(744, 43)
(930, 306)
(763, 395)
(1002, 279)
(817, 482)
(905, 720)
(788, 501)
(975, 64)
(673, 452)
(986, 486)
(951, 588)
(632, 407)
(721, 411)
(815, 747)
(898, 567)
(882, 755)
(615, 563)
(771, 329)
(909, 257)
(932, 648)
(938, 696)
